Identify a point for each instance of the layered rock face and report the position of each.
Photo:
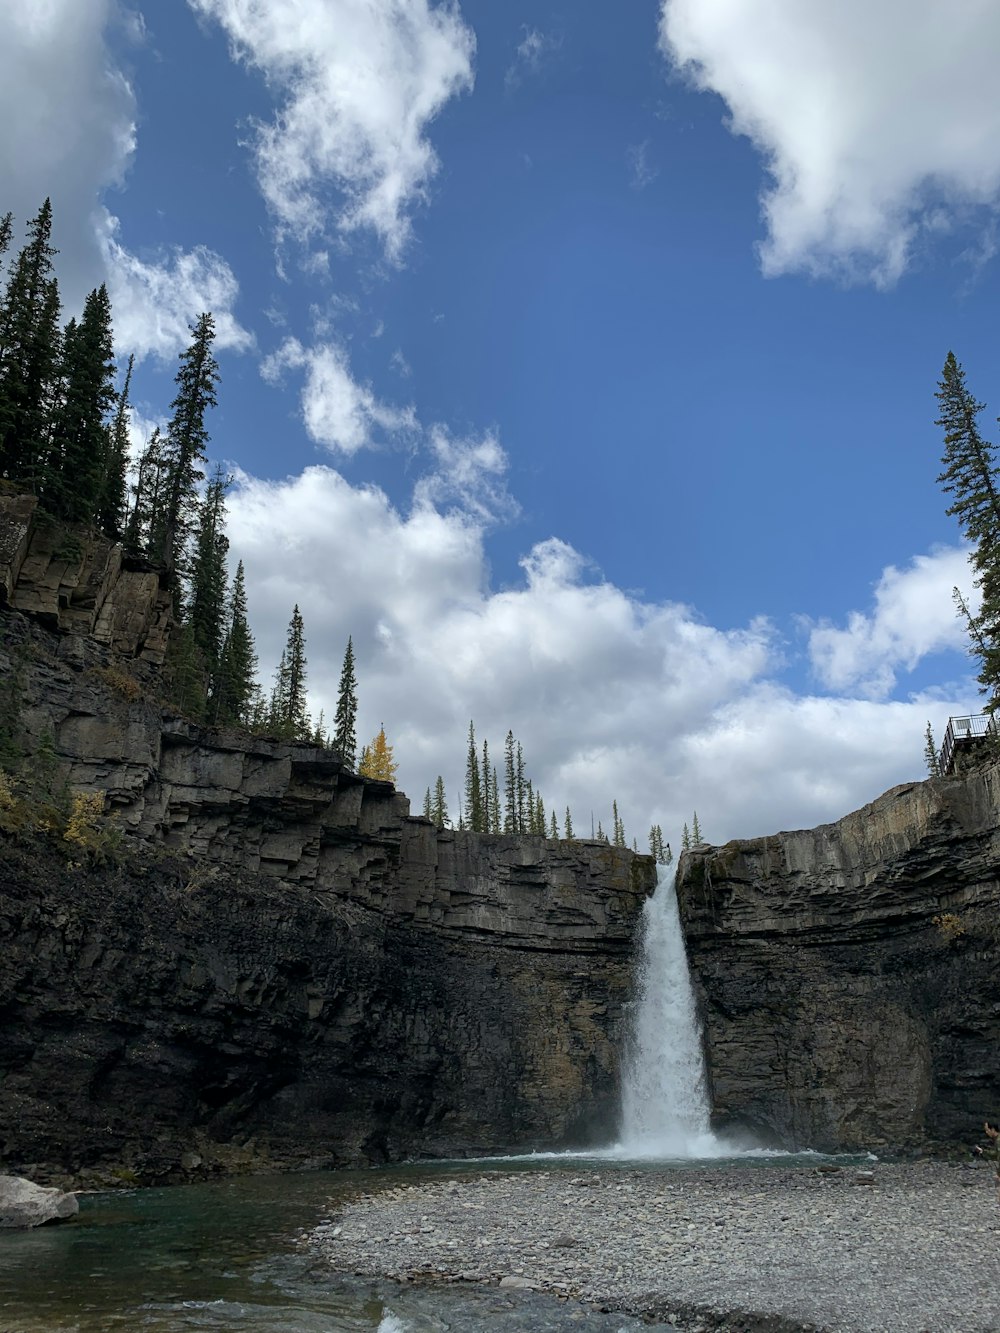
(847, 974)
(280, 964)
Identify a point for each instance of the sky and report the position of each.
(577, 360)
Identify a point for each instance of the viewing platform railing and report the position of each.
(962, 731)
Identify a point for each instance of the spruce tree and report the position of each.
(510, 785)
(345, 719)
(568, 826)
(931, 757)
(486, 790)
(553, 826)
(618, 827)
(184, 447)
(112, 504)
(428, 807)
(473, 786)
(495, 818)
(528, 808)
(207, 611)
(685, 839)
(295, 652)
(970, 474)
(696, 838)
(539, 815)
(77, 460)
(440, 811)
(30, 354)
(520, 792)
(147, 491)
(238, 664)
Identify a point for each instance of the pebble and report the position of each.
(712, 1248)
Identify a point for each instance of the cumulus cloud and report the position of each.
(359, 84)
(72, 140)
(155, 303)
(876, 122)
(914, 615)
(338, 412)
(612, 695)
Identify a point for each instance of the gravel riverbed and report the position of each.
(890, 1247)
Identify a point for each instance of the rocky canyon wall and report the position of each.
(848, 974)
(279, 964)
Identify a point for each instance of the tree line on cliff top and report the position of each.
(64, 437)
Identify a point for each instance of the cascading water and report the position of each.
(665, 1111)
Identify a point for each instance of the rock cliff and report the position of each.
(278, 964)
(848, 974)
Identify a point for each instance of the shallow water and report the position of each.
(224, 1256)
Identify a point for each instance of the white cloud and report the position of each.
(914, 615)
(877, 121)
(530, 54)
(360, 83)
(69, 125)
(641, 171)
(156, 303)
(613, 696)
(338, 411)
(469, 476)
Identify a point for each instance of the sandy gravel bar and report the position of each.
(894, 1248)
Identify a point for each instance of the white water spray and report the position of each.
(665, 1111)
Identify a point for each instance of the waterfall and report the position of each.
(665, 1110)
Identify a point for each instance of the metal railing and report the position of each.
(965, 729)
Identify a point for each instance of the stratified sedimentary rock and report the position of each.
(848, 973)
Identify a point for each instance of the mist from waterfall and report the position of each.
(665, 1107)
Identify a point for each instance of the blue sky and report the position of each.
(578, 362)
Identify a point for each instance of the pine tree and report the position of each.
(234, 698)
(147, 490)
(207, 611)
(568, 826)
(971, 475)
(601, 835)
(528, 811)
(377, 761)
(287, 714)
(494, 803)
(112, 503)
(510, 786)
(685, 839)
(77, 462)
(184, 447)
(428, 808)
(345, 719)
(553, 826)
(931, 757)
(618, 828)
(319, 731)
(184, 673)
(473, 787)
(696, 838)
(486, 790)
(519, 788)
(30, 353)
(539, 815)
(440, 812)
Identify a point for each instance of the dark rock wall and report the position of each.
(283, 965)
(838, 1013)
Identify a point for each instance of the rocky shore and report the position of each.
(771, 1249)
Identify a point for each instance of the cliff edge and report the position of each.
(276, 964)
(848, 973)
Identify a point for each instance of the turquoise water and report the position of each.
(224, 1256)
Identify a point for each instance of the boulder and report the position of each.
(25, 1204)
